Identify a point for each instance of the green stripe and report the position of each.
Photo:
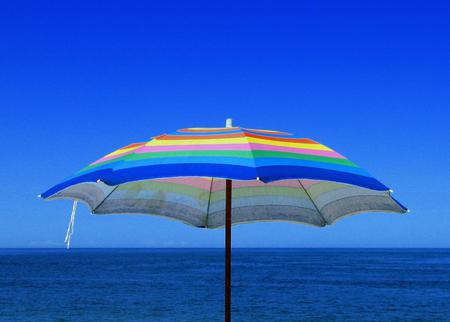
(221, 153)
(164, 187)
(131, 190)
(325, 186)
(289, 155)
(268, 191)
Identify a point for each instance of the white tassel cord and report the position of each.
(71, 224)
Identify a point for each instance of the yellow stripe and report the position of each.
(120, 151)
(243, 140)
(310, 146)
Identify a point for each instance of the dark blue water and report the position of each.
(187, 285)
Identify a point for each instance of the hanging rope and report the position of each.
(71, 223)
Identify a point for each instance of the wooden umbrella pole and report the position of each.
(228, 251)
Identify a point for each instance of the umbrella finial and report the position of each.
(229, 122)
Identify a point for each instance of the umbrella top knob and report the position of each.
(229, 122)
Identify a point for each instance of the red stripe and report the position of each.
(201, 137)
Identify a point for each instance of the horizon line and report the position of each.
(218, 248)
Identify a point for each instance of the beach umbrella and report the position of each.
(216, 177)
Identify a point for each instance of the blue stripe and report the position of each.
(245, 162)
(400, 204)
(265, 162)
(229, 161)
(266, 174)
(90, 177)
(273, 173)
(181, 170)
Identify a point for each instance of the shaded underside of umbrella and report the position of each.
(201, 201)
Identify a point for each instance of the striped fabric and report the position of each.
(233, 153)
(276, 177)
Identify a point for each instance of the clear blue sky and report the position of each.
(370, 79)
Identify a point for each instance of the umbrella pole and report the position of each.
(228, 250)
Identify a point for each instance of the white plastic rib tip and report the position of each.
(408, 211)
(39, 196)
(257, 178)
(391, 191)
(229, 122)
(98, 181)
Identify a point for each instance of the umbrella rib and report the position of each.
(209, 202)
(312, 201)
(101, 203)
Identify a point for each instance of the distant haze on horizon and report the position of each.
(369, 79)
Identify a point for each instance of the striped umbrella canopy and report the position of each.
(214, 177)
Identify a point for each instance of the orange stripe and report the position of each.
(234, 135)
(132, 145)
(201, 137)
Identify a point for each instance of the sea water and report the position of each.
(187, 285)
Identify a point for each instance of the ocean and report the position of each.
(187, 285)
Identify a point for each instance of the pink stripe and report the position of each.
(219, 184)
(205, 147)
(136, 146)
(113, 157)
(238, 147)
(224, 147)
(307, 183)
(201, 183)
